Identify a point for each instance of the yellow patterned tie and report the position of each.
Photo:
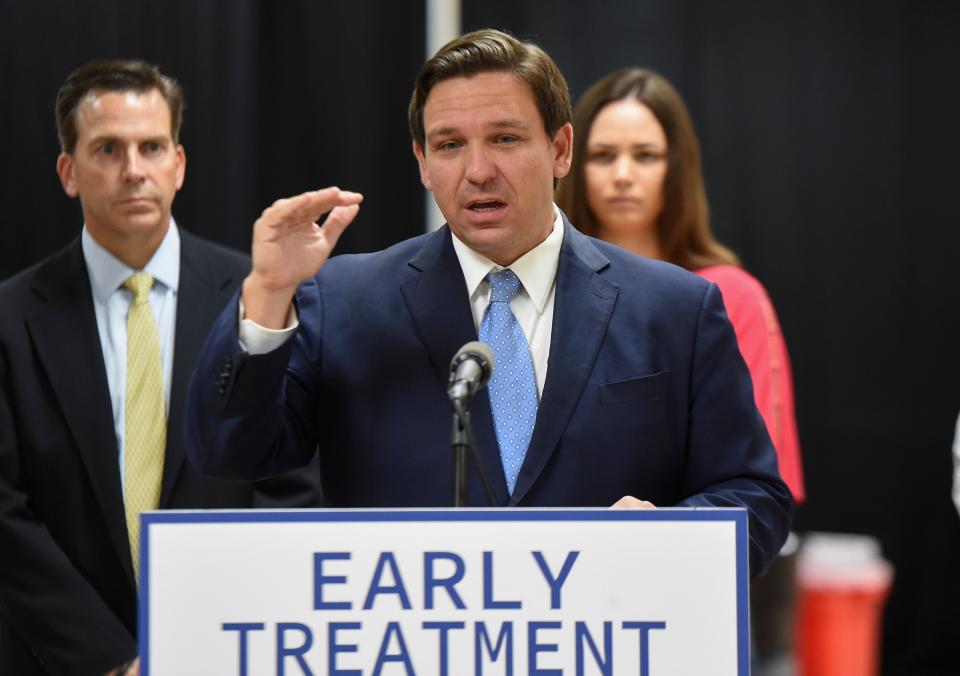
(145, 437)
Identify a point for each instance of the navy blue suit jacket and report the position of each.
(646, 393)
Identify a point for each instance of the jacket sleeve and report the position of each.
(251, 417)
(765, 352)
(730, 458)
(296, 489)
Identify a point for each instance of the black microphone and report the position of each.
(470, 369)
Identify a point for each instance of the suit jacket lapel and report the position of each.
(201, 296)
(582, 307)
(435, 295)
(64, 332)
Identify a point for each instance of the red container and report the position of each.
(843, 584)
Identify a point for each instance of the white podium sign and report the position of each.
(445, 592)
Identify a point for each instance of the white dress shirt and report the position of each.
(111, 304)
(532, 306)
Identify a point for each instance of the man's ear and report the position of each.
(65, 172)
(422, 162)
(563, 150)
(181, 166)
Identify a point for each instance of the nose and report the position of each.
(623, 171)
(480, 165)
(133, 169)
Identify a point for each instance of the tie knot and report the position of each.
(504, 285)
(139, 284)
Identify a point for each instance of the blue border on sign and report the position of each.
(735, 514)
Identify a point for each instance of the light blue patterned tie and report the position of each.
(513, 388)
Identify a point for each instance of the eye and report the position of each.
(601, 156)
(648, 156)
(151, 148)
(506, 139)
(448, 145)
(108, 148)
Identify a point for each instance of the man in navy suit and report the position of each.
(642, 397)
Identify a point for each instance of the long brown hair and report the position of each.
(683, 228)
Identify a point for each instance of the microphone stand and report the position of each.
(461, 441)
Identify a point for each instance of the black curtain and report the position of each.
(281, 97)
(829, 131)
(830, 134)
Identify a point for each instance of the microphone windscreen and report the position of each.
(476, 349)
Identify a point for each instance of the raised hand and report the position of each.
(289, 248)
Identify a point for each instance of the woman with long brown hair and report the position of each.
(636, 182)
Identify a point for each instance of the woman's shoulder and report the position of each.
(733, 281)
(746, 300)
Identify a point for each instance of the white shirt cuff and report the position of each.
(256, 339)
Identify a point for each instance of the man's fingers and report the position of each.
(630, 502)
(337, 222)
(308, 207)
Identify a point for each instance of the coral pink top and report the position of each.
(765, 352)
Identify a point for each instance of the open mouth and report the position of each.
(482, 206)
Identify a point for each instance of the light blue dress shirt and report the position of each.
(111, 304)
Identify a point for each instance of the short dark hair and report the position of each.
(491, 50)
(683, 227)
(113, 75)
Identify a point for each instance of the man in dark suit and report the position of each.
(627, 387)
(68, 589)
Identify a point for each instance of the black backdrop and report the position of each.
(829, 131)
(281, 97)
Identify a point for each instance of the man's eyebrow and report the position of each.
(116, 138)
(442, 131)
(507, 123)
(103, 138)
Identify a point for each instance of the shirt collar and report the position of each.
(107, 272)
(536, 269)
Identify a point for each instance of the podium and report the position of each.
(544, 592)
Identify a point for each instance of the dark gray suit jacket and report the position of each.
(68, 597)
